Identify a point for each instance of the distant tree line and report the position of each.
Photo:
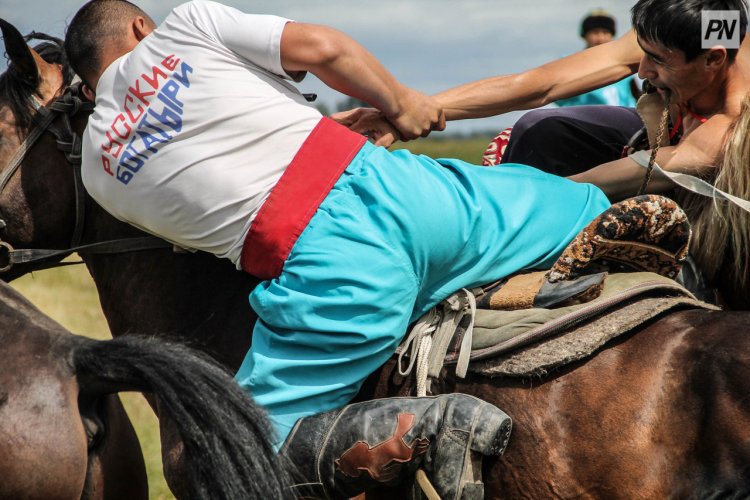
(343, 105)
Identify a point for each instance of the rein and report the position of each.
(69, 142)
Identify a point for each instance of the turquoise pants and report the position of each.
(397, 234)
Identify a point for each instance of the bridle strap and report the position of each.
(31, 255)
(25, 147)
(69, 143)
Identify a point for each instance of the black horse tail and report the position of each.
(227, 453)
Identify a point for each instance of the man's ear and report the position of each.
(716, 57)
(141, 27)
(88, 93)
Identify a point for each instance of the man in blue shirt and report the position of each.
(599, 27)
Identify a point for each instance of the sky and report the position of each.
(430, 45)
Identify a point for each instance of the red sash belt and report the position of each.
(316, 167)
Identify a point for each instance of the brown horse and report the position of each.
(661, 413)
(64, 433)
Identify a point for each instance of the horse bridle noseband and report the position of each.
(69, 142)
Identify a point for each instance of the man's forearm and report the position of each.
(492, 96)
(346, 66)
(622, 179)
(572, 75)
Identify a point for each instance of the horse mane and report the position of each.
(721, 231)
(16, 92)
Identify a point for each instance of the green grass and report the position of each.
(68, 295)
(469, 150)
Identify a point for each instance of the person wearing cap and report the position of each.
(599, 27)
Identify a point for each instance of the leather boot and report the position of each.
(383, 442)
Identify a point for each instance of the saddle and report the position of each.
(615, 275)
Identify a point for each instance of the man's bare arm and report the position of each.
(566, 77)
(344, 65)
(698, 154)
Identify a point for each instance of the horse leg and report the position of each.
(172, 452)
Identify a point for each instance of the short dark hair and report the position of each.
(598, 18)
(96, 24)
(676, 24)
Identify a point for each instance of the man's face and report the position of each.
(597, 36)
(668, 69)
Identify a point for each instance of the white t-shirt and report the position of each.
(194, 127)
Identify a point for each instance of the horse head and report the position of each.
(44, 79)
(37, 188)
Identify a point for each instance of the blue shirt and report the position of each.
(616, 94)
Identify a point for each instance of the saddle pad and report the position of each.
(538, 359)
(495, 329)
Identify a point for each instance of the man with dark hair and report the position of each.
(704, 86)
(679, 25)
(198, 136)
(705, 89)
(95, 27)
(598, 27)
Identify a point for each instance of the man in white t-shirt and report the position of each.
(199, 137)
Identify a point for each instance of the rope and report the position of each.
(464, 352)
(655, 149)
(429, 339)
(427, 488)
(419, 344)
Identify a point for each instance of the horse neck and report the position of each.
(193, 297)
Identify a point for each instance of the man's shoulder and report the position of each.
(198, 8)
(193, 11)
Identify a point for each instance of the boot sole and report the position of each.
(491, 431)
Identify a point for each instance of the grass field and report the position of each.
(68, 295)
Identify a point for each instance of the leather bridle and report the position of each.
(69, 142)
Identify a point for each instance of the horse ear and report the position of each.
(20, 54)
